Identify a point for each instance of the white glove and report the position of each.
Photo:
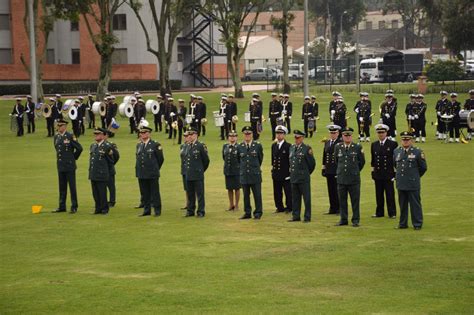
(332, 117)
(416, 117)
(387, 115)
(172, 114)
(289, 117)
(333, 112)
(356, 110)
(361, 119)
(9, 114)
(196, 120)
(410, 117)
(283, 112)
(438, 113)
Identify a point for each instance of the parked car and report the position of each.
(295, 71)
(261, 74)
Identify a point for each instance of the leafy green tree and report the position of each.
(447, 70)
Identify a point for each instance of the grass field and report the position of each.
(120, 263)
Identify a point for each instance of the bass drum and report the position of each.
(466, 119)
(99, 108)
(73, 113)
(68, 104)
(126, 110)
(152, 107)
(127, 99)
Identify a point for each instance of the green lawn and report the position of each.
(120, 263)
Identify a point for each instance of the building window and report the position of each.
(251, 61)
(120, 22)
(180, 57)
(381, 25)
(5, 56)
(76, 56)
(246, 28)
(50, 56)
(4, 22)
(368, 25)
(394, 24)
(74, 26)
(263, 27)
(120, 56)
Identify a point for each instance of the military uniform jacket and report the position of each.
(288, 106)
(409, 109)
(350, 162)
(364, 110)
(181, 112)
(250, 160)
(420, 110)
(139, 112)
(329, 157)
(172, 109)
(18, 110)
(332, 106)
(149, 160)
(469, 104)
(340, 112)
(182, 154)
(230, 155)
(112, 110)
(382, 159)
(281, 161)
(315, 109)
(100, 161)
(68, 151)
(441, 104)
(115, 157)
(233, 108)
(302, 163)
(197, 161)
(388, 108)
(274, 110)
(202, 110)
(453, 109)
(255, 113)
(81, 110)
(307, 111)
(30, 109)
(410, 166)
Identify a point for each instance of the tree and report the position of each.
(43, 26)
(168, 22)
(230, 15)
(457, 25)
(283, 25)
(444, 71)
(341, 17)
(98, 16)
(318, 48)
(411, 13)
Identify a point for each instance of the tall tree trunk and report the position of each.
(238, 90)
(105, 75)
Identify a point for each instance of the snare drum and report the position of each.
(218, 119)
(311, 124)
(466, 119)
(247, 116)
(280, 121)
(189, 118)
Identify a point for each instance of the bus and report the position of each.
(371, 70)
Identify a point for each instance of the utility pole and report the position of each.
(357, 63)
(33, 82)
(306, 56)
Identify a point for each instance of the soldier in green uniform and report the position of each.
(350, 160)
(250, 159)
(302, 164)
(182, 154)
(111, 182)
(232, 170)
(101, 161)
(197, 162)
(147, 169)
(68, 151)
(410, 165)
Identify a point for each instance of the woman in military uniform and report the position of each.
(232, 170)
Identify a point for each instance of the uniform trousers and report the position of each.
(280, 186)
(99, 192)
(354, 192)
(150, 195)
(298, 191)
(111, 188)
(257, 198)
(332, 193)
(384, 187)
(66, 178)
(410, 198)
(195, 188)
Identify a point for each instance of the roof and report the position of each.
(254, 39)
(373, 38)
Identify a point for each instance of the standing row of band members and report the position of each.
(280, 110)
(292, 166)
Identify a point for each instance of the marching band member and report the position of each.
(469, 105)
(225, 113)
(90, 102)
(81, 114)
(230, 155)
(419, 118)
(58, 105)
(329, 167)
(202, 115)
(388, 113)
(111, 111)
(307, 115)
(181, 116)
(338, 114)
(52, 117)
(255, 117)
(157, 119)
(452, 109)
(233, 111)
(68, 150)
(30, 113)
(18, 111)
(76, 127)
(315, 112)
(364, 111)
(274, 112)
(332, 104)
(172, 110)
(440, 108)
(287, 110)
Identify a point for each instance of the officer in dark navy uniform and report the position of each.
(68, 151)
(302, 164)
(255, 117)
(469, 105)
(147, 169)
(274, 112)
(440, 107)
(19, 111)
(197, 162)
(100, 163)
(350, 161)
(329, 167)
(383, 172)
(287, 109)
(30, 113)
(251, 158)
(281, 170)
(410, 164)
(307, 114)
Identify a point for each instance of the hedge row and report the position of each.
(87, 87)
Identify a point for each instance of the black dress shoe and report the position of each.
(417, 227)
(306, 221)
(231, 209)
(245, 217)
(376, 216)
(294, 220)
(279, 211)
(139, 206)
(257, 218)
(73, 210)
(189, 215)
(58, 210)
(184, 208)
(105, 212)
(200, 215)
(111, 204)
(399, 227)
(96, 212)
(355, 224)
(393, 217)
(144, 214)
(157, 215)
(341, 224)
